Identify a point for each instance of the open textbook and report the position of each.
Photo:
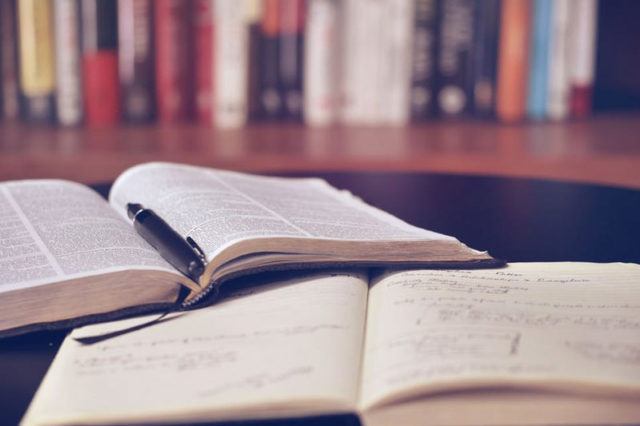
(539, 343)
(69, 257)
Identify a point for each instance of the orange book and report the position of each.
(513, 60)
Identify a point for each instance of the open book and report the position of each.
(539, 343)
(68, 256)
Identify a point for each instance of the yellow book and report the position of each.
(37, 75)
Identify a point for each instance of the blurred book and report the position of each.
(68, 54)
(100, 62)
(174, 79)
(513, 61)
(136, 60)
(9, 60)
(37, 66)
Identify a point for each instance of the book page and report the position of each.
(217, 207)
(575, 325)
(54, 230)
(279, 348)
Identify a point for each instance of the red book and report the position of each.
(100, 62)
(174, 87)
(203, 27)
(102, 98)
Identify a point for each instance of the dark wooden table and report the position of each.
(515, 219)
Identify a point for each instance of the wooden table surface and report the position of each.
(515, 219)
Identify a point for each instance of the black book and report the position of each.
(485, 57)
(270, 100)
(423, 60)
(291, 57)
(455, 57)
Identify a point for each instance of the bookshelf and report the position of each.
(601, 150)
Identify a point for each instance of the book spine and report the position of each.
(174, 88)
(204, 67)
(100, 62)
(270, 99)
(37, 67)
(354, 56)
(455, 60)
(9, 60)
(135, 60)
(582, 50)
(558, 80)
(395, 63)
(68, 62)
(291, 57)
(513, 61)
(539, 59)
(485, 56)
(322, 62)
(231, 61)
(423, 60)
(254, 19)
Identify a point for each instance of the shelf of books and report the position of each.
(499, 87)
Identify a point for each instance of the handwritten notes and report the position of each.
(564, 322)
(294, 343)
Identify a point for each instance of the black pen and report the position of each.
(184, 254)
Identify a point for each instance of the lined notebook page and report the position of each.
(573, 325)
(286, 347)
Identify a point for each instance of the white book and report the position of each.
(68, 68)
(353, 62)
(582, 42)
(377, 62)
(231, 61)
(322, 62)
(395, 67)
(558, 82)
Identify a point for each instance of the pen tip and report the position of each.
(133, 209)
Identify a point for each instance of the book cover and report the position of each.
(321, 93)
(37, 64)
(539, 59)
(423, 59)
(582, 46)
(204, 67)
(100, 62)
(513, 60)
(291, 57)
(558, 79)
(174, 75)
(270, 94)
(455, 58)
(136, 60)
(231, 61)
(68, 62)
(393, 60)
(485, 52)
(254, 19)
(9, 61)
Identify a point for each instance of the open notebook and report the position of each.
(539, 343)
(69, 257)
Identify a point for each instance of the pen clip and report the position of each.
(196, 248)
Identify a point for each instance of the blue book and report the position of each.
(539, 59)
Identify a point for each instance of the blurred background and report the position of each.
(527, 88)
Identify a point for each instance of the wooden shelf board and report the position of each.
(602, 150)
